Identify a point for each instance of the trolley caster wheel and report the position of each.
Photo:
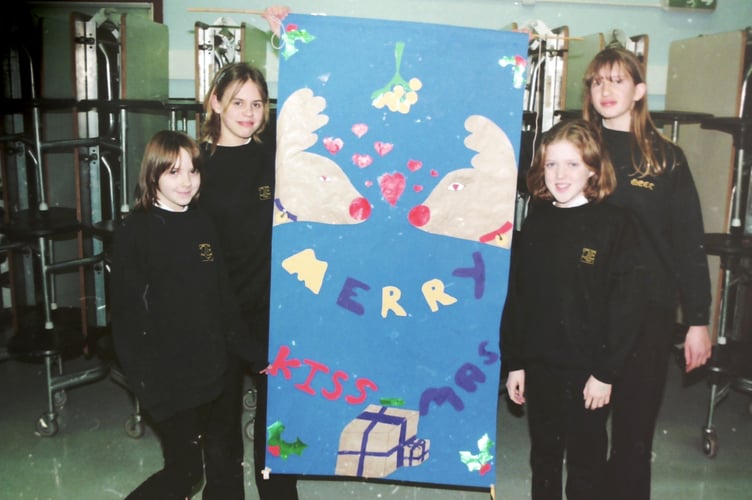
(249, 432)
(46, 427)
(59, 398)
(710, 443)
(134, 427)
(250, 399)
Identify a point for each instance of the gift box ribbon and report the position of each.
(379, 418)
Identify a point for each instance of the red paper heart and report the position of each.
(333, 144)
(362, 161)
(413, 165)
(359, 129)
(392, 186)
(382, 148)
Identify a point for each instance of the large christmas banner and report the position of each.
(397, 148)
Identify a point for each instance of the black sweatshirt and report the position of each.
(671, 228)
(237, 191)
(173, 313)
(575, 291)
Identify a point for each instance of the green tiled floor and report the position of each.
(92, 457)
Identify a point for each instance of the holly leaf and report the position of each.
(480, 461)
(278, 447)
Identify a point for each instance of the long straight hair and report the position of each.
(161, 153)
(647, 141)
(229, 79)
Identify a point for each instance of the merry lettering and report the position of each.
(312, 271)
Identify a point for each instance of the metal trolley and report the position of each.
(730, 366)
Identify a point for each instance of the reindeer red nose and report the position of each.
(360, 209)
(419, 215)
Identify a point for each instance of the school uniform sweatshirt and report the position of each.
(173, 313)
(670, 225)
(575, 291)
(237, 191)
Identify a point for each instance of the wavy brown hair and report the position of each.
(586, 138)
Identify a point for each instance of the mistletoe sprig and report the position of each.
(399, 94)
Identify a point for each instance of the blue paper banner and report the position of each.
(397, 147)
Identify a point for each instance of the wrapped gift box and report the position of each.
(378, 441)
(416, 452)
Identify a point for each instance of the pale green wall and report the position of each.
(583, 17)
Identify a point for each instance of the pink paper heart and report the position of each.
(414, 165)
(359, 129)
(362, 161)
(369, 183)
(434, 173)
(382, 148)
(417, 188)
(333, 144)
(392, 186)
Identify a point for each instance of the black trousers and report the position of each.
(561, 425)
(278, 486)
(635, 404)
(193, 441)
(224, 444)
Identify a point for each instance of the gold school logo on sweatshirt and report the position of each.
(206, 252)
(265, 192)
(588, 256)
(642, 184)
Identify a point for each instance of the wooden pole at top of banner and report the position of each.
(261, 13)
(552, 37)
(236, 11)
(273, 15)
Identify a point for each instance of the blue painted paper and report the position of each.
(396, 176)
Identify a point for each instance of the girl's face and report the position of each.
(613, 94)
(241, 115)
(565, 174)
(178, 184)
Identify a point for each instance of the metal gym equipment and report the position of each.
(57, 118)
(729, 368)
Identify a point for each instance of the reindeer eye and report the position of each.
(456, 186)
